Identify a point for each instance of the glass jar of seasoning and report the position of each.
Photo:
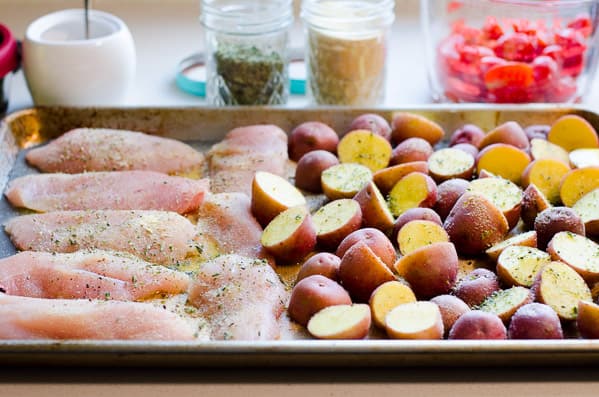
(346, 50)
(247, 51)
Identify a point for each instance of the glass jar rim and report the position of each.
(249, 17)
(320, 13)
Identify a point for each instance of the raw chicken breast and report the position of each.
(124, 190)
(226, 226)
(87, 275)
(242, 298)
(245, 150)
(92, 149)
(35, 318)
(156, 236)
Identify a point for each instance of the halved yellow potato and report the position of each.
(415, 320)
(366, 148)
(579, 252)
(341, 322)
(413, 190)
(573, 132)
(290, 235)
(335, 220)
(505, 194)
(526, 239)
(505, 303)
(450, 163)
(344, 180)
(588, 209)
(577, 183)
(519, 265)
(420, 233)
(543, 149)
(271, 195)
(388, 296)
(581, 158)
(375, 212)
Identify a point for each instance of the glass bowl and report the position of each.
(510, 51)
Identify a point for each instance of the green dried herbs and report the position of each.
(249, 76)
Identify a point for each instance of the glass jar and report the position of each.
(510, 51)
(346, 50)
(247, 51)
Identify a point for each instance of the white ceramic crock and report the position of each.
(62, 67)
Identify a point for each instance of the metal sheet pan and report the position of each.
(200, 126)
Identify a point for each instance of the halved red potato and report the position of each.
(313, 294)
(554, 220)
(510, 133)
(451, 308)
(581, 158)
(547, 175)
(410, 150)
(413, 190)
(309, 136)
(450, 163)
(543, 149)
(477, 324)
(448, 193)
(519, 265)
(335, 220)
(560, 287)
(419, 233)
(378, 242)
(361, 271)
(506, 302)
(341, 322)
(386, 297)
(271, 195)
(375, 212)
(410, 125)
(386, 178)
(526, 239)
(414, 214)
(467, 148)
(371, 122)
(587, 319)
(535, 321)
(430, 270)
(579, 252)
(366, 148)
(310, 167)
(588, 209)
(415, 320)
(506, 196)
(537, 131)
(573, 132)
(323, 263)
(577, 183)
(533, 203)
(503, 160)
(290, 236)
(468, 133)
(475, 224)
(476, 286)
(344, 180)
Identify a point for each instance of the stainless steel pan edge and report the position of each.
(31, 126)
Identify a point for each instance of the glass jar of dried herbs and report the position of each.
(346, 50)
(247, 51)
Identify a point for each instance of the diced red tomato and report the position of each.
(492, 30)
(517, 47)
(544, 69)
(513, 74)
(583, 24)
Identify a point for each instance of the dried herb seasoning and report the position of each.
(250, 76)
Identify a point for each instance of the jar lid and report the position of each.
(9, 59)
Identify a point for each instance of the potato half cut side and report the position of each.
(335, 220)
(386, 178)
(344, 180)
(271, 195)
(577, 183)
(526, 239)
(573, 132)
(290, 235)
(581, 253)
(587, 319)
(413, 190)
(416, 320)
(560, 287)
(366, 148)
(504, 303)
(543, 149)
(388, 296)
(547, 175)
(503, 160)
(450, 163)
(341, 322)
(420, 233)
(581, 158)
(533, 203)
(588, 209)
(506, 195)
(519, 265)
(375, 212)
(411, 125)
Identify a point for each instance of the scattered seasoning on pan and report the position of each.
(250, 76)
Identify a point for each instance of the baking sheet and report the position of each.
(200, 126)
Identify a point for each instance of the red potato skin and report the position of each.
(378, 242)
(535, 321)
(451, 308)
(431, 270)
(309, 169)
(476, 286)
(467, 148)
(313, 294)
(410, 150)
(533, 203)
(469, 134)
(371, 122)
(475, 224)
(297, 246)
(413, 214)
(587, 320)
(309, 136)
(448, 193)
(537, 131)
(386, 178)
(554, 220)
(372, 216)
(510, 133)
(477, 324)
(323, 263)
(361, 271)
